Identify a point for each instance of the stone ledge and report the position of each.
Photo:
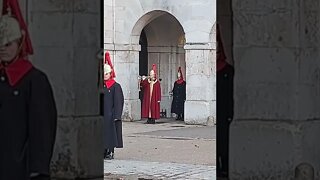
(122, 47)
(199, 46)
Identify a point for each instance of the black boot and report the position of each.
(109, 154)
(149, 121)
(153, 121)
(178, 117)
(182, 117)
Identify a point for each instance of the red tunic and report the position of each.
(151, 105)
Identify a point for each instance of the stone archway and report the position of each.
(189, 47)
(163, 34)
(165, 39)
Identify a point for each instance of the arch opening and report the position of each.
(162, 38)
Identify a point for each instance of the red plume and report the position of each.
(154, 68)
(107, 60)
(179, 81)
(180, 71)
(221, 57)
(16, 12)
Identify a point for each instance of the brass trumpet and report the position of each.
(141, 77)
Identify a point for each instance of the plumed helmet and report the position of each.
(179, 74)
(9, 29)
(10, 14)
(107, 69)
(153, 71)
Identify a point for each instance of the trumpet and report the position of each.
(142, 78)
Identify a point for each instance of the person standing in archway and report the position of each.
(151, 96)
(113, 108)
(179, 96)
(225, 73)
(28, 113)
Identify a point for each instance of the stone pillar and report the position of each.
(201, 80)
(65, 39)
(125, 59)
(276, 123)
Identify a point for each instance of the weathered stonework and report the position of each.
(276, 120)
(65, 40)
(76, 154)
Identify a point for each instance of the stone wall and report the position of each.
(65, 40)
(276, 57)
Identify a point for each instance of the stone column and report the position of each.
(65, 40)
(201, 80)
(277, 73)
(125, 59)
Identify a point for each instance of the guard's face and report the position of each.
(179, 75)
(107, 76)
(9, 51)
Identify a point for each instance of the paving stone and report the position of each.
(159, 170)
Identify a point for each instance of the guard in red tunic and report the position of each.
(225, 73)
(151, 96)
(179, 96)
(28, 114)
(113, 107)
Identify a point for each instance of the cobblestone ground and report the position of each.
(135, 170)
(168, 149)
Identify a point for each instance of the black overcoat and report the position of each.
(28, 120)
(224, 116)
(179, 97)
(113, 107)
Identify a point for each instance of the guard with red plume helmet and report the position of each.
(151, 96)
(113, 107)
(28, 111)
(225, 73)
(179, 96)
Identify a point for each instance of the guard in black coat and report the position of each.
(225, 75)
(28, 115)
(179, 96)
(113, 107)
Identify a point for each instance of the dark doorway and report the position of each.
(143, 58)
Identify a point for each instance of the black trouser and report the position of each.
(180, 116)
(109, 151)
(224, 117)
